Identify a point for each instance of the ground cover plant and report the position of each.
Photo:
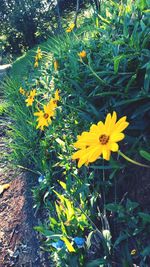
(80, 107)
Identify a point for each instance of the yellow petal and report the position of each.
(78, 154)
(121, 126)
(94, 153)
(97, 129)
(106, 154)
(87, 139)
(81, 162)
(82, 155)
(113, 121)
(116, 137)
(122, 120)
(4, 187)
(39, 113)
(114, 147)
(108, 120)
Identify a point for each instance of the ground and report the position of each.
(19, 245)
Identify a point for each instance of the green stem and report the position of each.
(132, 161)
(27, 169)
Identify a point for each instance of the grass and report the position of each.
(3, 107)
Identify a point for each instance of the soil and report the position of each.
(19, 245)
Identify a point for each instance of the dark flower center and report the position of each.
(104, 139)
(46, 115)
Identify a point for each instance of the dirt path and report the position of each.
(19, 246)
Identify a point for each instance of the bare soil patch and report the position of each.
(19, 245)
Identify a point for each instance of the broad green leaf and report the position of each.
(130, 82)
(146, 251)
(145, 154)
(122, 237)
(145, 217)
(147, 78)
(96, 263)
(130, 205)
(114, 207)
(44, 231)
(63, 229)
(59, 211)
(69, 210)
(117, 60)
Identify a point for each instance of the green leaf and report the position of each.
(132, 100)
(96, 263)
(117, 60)
(130, 82)
(114, 207)
(146, 251)
(147, 78)
(142, 4)
(44, 231)
(121, 238)
(130, 205)
(145, 154)
(145, 217)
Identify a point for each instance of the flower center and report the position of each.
(104, 139)
(46, 116)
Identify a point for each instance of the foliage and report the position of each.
(26, 23)
(91, 202)
(26, 20)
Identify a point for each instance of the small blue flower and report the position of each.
(41, 178)
(79, 241)
(58, 245)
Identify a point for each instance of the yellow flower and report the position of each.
(100, 140)
(45, 115)
(30, 98)
(22, 91)
(133, 252)
(56, 65)
(36, 64)
(57, 96)
(39, 54)
(29, 101)
(4, 187)
(33, 93)
(70, 28)
(82, 54)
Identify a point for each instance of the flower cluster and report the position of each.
(30, 98)
(82, 54)
(22, 91)
(70, 28)
(100, 140)
(56, 65)
(37, 57)
(45, 116)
